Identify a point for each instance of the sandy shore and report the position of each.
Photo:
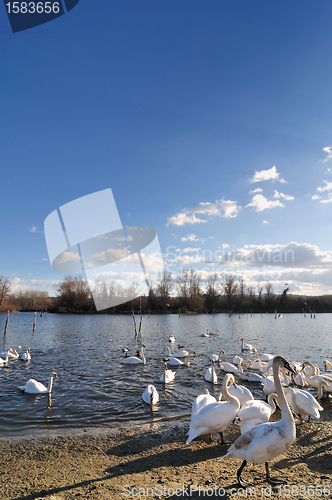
(152, 462)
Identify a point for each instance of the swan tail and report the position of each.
(196, 432)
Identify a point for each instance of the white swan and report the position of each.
(268, 381)
(215, 416)
(26, 355)
(172, 338)
(210, 374)
(5, 361)
(34, 387)
(200, 402)
(256, 412)
(14, 354)
(264, 356)
(257, 364)
(135, 360)
(237, 359)
(246, 347)
(310, 375)
(266, 441)
(172, 361)
(302, 403)
(230, 368)
(251, 376)
(167, 375)
(182, 353)
(326, 364)
(323, 385)
(150, 395)
(241, 393)
(217, 357)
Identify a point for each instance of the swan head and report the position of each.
(181, 346)
(280, 361)
(19, 347)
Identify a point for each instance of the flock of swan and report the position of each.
(32, 386)
(283, 382)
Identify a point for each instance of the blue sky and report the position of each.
(210, 121)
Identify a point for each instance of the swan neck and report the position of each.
(285, 410)
(272, 397)
(226, 395)
(50, 384)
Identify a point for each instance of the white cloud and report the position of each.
(257, 190)
(267, 175)
(182, 219)
(286, 197)
(190, 237)
(34, 229)
(265, 222)
(327, 187)
(190, 249)
(327, 150)
(221, 208)
(260, 203)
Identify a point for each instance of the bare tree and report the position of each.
(231, 289)
(5, 287)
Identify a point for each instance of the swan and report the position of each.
(310, 375)
(207, 334)
(167, 375)
(256, 412)
(256, 365)
(241, 393)
(14, 354)
(215, 417)
(323, 385)
(217, 357)
(246, 347)
(214, 333)
(172, 361)
(172, 338)
(230, 368)
(26, 355)
(237, 359)
(302, 403)
(326, 364)
(150, 395)
(135, 360)
(210, 374)
(34, 387)
(200, 402)
(266, 441)
(268, 382)
(182, 353)
(5, 361)
(251, 376)
(299, 379)
(264, 356)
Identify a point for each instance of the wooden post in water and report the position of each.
(140, 323)
(6, 325)
(134, 323)
(34, 322)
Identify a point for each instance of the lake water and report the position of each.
(95, 390)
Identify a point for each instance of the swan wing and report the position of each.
(33, 387)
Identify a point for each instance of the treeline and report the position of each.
(186, 293)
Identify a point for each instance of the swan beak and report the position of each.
(325, 367)
(234, 384)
